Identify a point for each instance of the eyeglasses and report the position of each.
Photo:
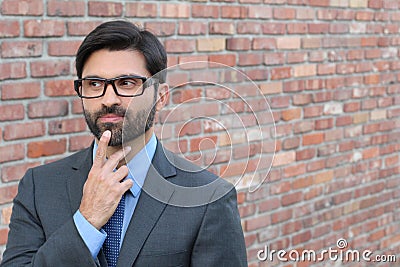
(127, 86)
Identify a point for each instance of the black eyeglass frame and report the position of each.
(78, 84)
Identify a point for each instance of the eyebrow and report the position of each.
(121, 75)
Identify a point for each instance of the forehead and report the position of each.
(109, 64)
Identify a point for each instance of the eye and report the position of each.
(128, 83)
(94, 83)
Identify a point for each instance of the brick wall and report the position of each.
(329, 70)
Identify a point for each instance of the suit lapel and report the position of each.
(80, 167)
(148, 209)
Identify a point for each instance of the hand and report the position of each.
(103, 188)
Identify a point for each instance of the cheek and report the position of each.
(90, 105)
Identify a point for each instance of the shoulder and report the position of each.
(61, 166)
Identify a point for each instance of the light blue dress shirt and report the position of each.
(138, 168)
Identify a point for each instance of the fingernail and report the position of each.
(127, 149)
(107, 133)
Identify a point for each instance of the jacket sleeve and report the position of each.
(28, 244)
(220, 240)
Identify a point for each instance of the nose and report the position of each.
(110, 98)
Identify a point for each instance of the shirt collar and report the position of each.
(139, 165)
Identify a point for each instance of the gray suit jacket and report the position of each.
(42, 231)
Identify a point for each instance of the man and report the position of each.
(122, 201)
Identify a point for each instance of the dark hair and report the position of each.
(123, 35)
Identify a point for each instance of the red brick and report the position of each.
(238, 44)
(161, 29)
(323, 124)
(22, 7)
(12, 70)
(63, 48)
(9, 28)
(250, 59)
(49, 68)
(19, 131)
(260, 43)
(297, 28)
(316, 166)
(226, 59)
(44, 28)
(192, 28)
(281, 73)
(11, 112)
(141, 10)
(313, 139)
(257, 222)
(305, 154)
(231, 169)
(202, 143)
(205, 11)
(284, 13)
(77, 106)
(313, 111)
(193, 62)
(180, 45)
(174, 10)
(67, 126)
(274, 58)
(288, 43)
(233, 12)
(284, 158)
(301, 99)
(302, 182)
(59, 88)
(16, 171)
(370, 153)
(303, 126)
(291, 114)
(279, 101)
(46, 148)
(78, 28)
(247, 210)
(221, 27)
(45, 109)
(12, 152)
(248, 27)
(20, 90)
(296, 57)
(274, 28)
(21, 49)
(281, 216)
(7, 194)
(189, 128)
(291, 198)
(302, 237)
(291, 143)
(66, 8)
(210, 44)
(259, 12)
(305, 13)
(294, 170)
(324, 176)
(105, 9)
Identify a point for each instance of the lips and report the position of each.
(111, 118)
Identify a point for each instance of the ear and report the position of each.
(163, 96)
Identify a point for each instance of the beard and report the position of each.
(132, 127)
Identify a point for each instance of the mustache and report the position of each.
(105, 110)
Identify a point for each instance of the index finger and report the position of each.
(100, 156)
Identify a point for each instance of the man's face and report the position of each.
(129, 117)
